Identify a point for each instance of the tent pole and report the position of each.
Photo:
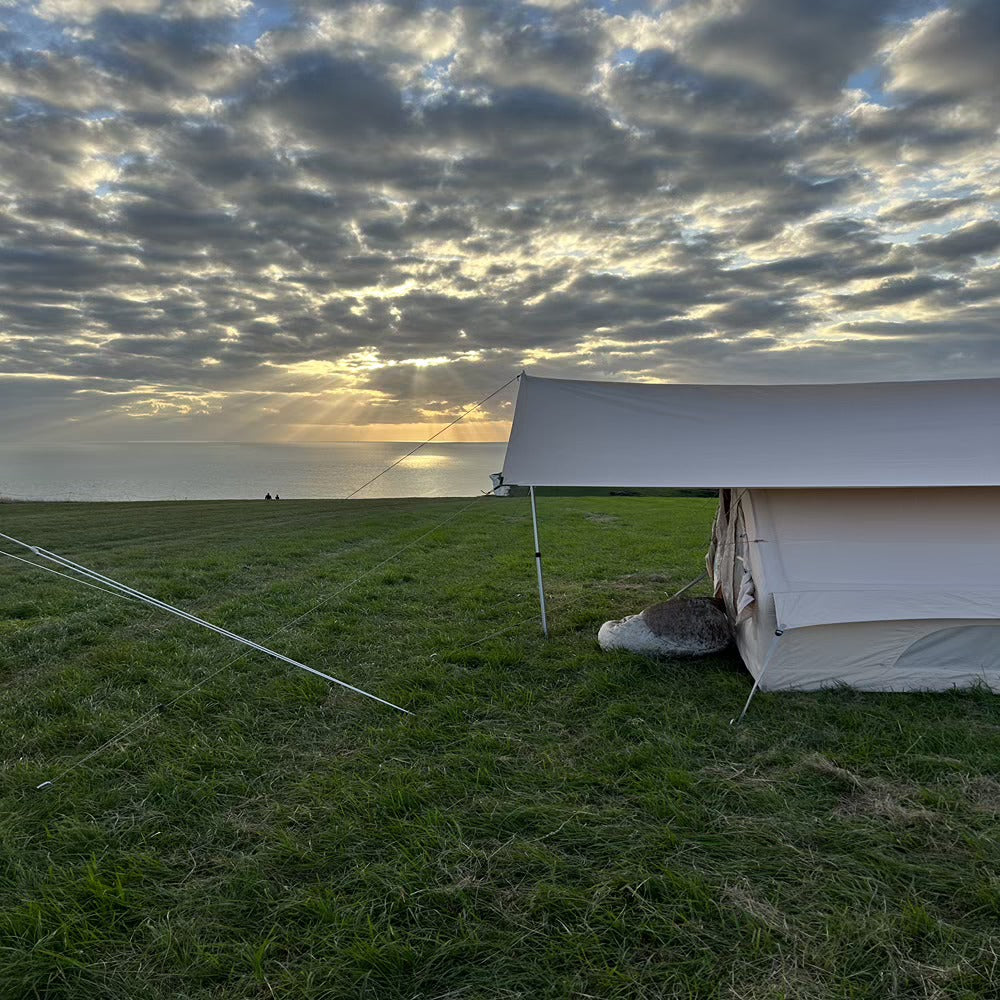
(538, 562)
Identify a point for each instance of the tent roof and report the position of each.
(871, 434)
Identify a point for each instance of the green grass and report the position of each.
(553, 821)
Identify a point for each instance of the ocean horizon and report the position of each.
(227, 470)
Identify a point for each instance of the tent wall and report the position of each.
(905, 582)
(873, 656)
(907, 539)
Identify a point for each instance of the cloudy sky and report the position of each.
(313, 220)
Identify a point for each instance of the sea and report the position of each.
(173, 470)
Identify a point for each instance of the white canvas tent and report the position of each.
(858, 533)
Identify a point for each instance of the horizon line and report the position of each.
(286, 443)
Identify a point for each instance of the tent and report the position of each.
(857, 539)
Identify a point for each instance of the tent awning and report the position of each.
(872, 434)
(800, 609)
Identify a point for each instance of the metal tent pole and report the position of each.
(538, 562)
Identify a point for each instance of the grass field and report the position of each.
(553, 822)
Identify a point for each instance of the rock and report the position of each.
(692, 627)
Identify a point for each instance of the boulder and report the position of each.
(693, 627)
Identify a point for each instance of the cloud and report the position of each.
(951, 52)
(893, 291)
(326, 99)
(336, 213)
(779, 45)
(968, 241)
(557, 51)
(925, 209)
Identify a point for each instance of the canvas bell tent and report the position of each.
(857, 539)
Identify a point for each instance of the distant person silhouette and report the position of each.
(267, 496)
(276, 497)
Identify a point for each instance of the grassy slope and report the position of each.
(553, 822)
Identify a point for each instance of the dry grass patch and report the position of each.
(982, 792)
(595, 518)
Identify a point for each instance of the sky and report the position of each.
(323, 220)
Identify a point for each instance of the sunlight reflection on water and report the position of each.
(218, 471)
(425, 461)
